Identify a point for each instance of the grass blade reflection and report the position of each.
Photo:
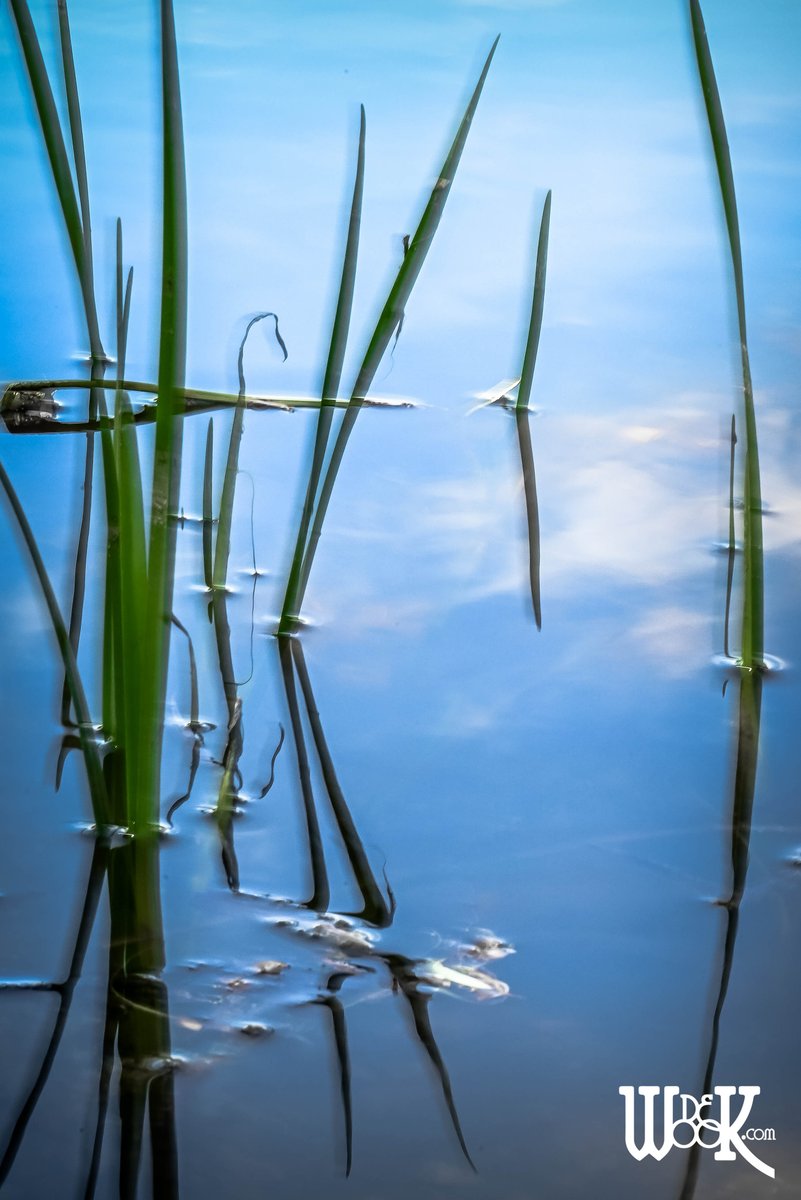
(522, 418)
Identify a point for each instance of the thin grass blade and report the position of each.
(331, 382)
(391, 314)
(537, 306)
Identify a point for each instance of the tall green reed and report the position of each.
(139, 562)
(751, 658)
(752, 628)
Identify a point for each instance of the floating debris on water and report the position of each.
(335, 932)
(486, 947)
(484, 985)
(254, 1029)
(190, 1023)
(270, 966)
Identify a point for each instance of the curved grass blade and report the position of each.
(223, 545)
(391, 314)
(537, 306)
(752, 648)
(194, 698)
(331, 382)
(268, 785)
(194, 763)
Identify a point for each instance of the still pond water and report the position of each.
(532, 826)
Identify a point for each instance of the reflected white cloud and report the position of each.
(622, 505)
(676, 639)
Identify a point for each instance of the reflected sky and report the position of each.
(566, 789)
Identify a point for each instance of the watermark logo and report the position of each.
(691, 1123)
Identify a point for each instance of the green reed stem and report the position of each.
(167, 454)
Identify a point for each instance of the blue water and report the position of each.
(567, 790)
